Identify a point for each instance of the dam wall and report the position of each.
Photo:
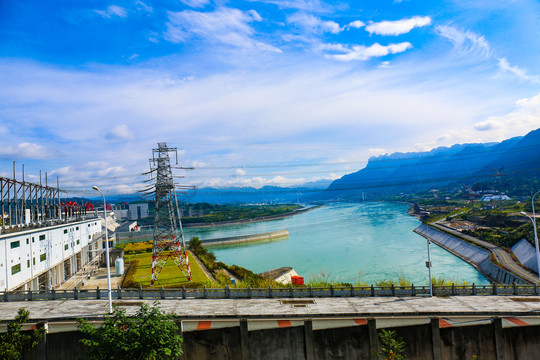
(280, 234)
(476, 256)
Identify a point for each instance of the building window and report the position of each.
(15, 269)
(34, 261)
(42, 257)
(78, 241)
(27, 241)
(41, 237)
(89, 237)
(28, 263)
(65, 231)
(66, 247)
(15, 244)
(33, 239)
(77, 228)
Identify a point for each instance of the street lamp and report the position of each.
(109, 295)
(428, 265)
(535, 237)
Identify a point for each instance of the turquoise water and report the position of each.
(373, 239)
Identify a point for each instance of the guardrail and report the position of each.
(270, 292)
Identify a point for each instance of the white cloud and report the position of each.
(465, 42)
(357, 24)
(224, 25)
(112, 10)
(520, 73)
(120, 132)
(359, 52)
(25, 150)
(240, 172)
(314, 24)
(144, 7)
(397, 27)
(196, 3)
(61, 171)
(305, 5)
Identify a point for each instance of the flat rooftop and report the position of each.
(288, 308)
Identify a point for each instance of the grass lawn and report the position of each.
(140, 272)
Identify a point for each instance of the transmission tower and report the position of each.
(168, 233)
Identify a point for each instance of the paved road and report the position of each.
(503, 257)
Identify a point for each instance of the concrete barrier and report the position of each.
(280, 234)
(526, 254)
(474, 255)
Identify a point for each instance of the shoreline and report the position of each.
(254, 220)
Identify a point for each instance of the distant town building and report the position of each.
(137, 211)
(495, 198)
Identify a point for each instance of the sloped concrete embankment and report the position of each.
(526, 254)
(476, 256)
(274, 235)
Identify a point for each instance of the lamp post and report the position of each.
(535, 238)
(109, 295)
(428, 265)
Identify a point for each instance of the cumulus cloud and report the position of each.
(224, 25)
(465, 42)
(360, 52)
(112, 11)
(514, 70)
(313, 24)
(240, 172)
(357, 24)
(121, 132)
(25, 150)
(398, 27)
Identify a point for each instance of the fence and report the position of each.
(270, 292)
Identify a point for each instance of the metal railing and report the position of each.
(270, 292)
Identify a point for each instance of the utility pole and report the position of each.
(168, 236)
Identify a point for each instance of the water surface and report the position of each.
(371, 240)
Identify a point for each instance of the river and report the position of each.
(370, 241)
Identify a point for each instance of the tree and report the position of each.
(149, 334)
(194, 244)
(14, 342)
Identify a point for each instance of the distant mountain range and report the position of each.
(441, 167)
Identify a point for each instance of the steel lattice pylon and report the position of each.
(168, 233)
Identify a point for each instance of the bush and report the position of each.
(149, 334)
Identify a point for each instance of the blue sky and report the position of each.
(257, 92)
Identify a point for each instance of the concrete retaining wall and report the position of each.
(247, 238)
(465, 250)
(426, 342)
(526, 254)
(474, 255)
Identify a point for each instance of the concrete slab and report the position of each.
(274, 308)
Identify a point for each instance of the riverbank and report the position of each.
(254, 220)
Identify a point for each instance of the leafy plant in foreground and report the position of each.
(149, 334)
(392, 346)
(14, 341)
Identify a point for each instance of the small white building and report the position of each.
(137, 211)
(45, 257)
(495, 197)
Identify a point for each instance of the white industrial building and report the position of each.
(137, 211)
(45, 257)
